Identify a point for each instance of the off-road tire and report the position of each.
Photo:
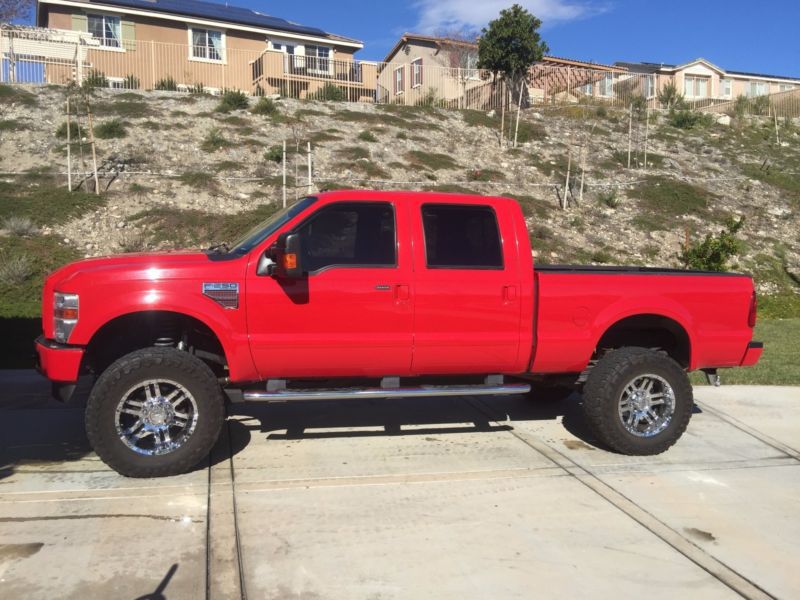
(148, 364)
(605, 385)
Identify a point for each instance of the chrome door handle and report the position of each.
(383, 288)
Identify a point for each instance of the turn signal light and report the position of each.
(66, 313)
(289, 261)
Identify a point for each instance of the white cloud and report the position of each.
(474, 14)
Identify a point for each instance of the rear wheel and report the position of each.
(637, 401)
(154, 412)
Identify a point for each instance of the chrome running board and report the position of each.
(423, 391)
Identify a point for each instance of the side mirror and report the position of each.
(284, 259)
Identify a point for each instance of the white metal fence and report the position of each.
(43, 56)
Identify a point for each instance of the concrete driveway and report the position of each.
(423, 498)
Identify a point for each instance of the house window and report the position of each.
(786, 87)
(587, 89)
(695, 87)
(106, 29)
(318, 58)
(416, 73)
(399, 80)
(650, 86)
(757, 88)
(207, 44)
(725, 88)
(607, 85)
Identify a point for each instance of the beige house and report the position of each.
(408, 72)
(139, 43)
(702, 82)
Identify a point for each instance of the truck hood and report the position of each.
(151, 266)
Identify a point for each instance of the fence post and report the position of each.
(69, 150)
(309, 168)
(94, 149)
(630, 134)
(284, 173)
(646, 134)
(152, 64)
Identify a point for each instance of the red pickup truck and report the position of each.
(409, 294)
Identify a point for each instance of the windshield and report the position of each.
(268, 226)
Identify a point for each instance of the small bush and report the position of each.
(608, 198)
(15, 270)
(197, 179)
(197, 89)
(669, 97)
(689, 119)
(110, 129)
(713, 253)
(330, 93)
(367, 136)
(95, 79)
(139, 190)
(484, 175)
(61, 132)
(214, 141)
(601, 112)
(431, 160)
(131, 82)
(21, 226)
(167, 84)
(132, 241)
(274, 154)
(354, 152)
(265, 107)
(401, 135)
(233, 100)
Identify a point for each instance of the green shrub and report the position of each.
(197, 89)
(265, 107)
(197, 179)
(367, 136)
(95, 79)
(689, 119)
(274, 154)
(601, 112)
(19, 225)
(233, 100)
(431, 160)
(713, 253)
(131, 82)
(110, 129)
(330, 93)
(15, 270)
(167, 84)
(484, 175)
(669, 97)
(608, 198)
(214, 141)
(61, 132)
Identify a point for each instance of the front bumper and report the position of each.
(752, 354)
(58, 362)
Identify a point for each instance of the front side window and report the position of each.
(207, 44)
(650, 86)
(695, 87)
(461, 237)
(349, 234)
(607, 85)
(318, 58)
(416, 73)
(758, 88)
(106, 29)
(725, 88)
(399, 84)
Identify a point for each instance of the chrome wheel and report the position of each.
(156, 417)
(646, 405)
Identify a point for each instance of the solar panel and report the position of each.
(219, 12)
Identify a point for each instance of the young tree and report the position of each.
(14, 9)
(511, 43)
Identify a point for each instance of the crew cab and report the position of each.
(353, 294)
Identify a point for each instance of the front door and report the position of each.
(352, 314)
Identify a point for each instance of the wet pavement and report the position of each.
(419, 498)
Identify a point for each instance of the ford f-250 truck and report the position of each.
(410, 294)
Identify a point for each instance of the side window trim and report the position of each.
(490, 209)
(315, 215)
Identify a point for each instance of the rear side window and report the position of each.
(459, 236)
(347, 234)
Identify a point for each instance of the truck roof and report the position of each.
(399, 195)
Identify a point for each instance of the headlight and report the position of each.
(65, 315)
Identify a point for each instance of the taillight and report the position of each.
(751, 317)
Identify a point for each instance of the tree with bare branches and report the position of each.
(14, 9)
(459, 48)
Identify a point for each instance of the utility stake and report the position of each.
(69, 150)
(646, 134)
(94, 149)
(284, 173)
(630, 134)
(310, 184)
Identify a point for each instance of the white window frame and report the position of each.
(758, 84)
(587, 89)
(650, 86)
(786, 87)
(606, 86)
(317, 58)
(102, 45)
(399, 82)
(416, 72)
(222, 61)
(695, 79)
(723, 82)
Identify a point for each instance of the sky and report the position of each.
(739, 35)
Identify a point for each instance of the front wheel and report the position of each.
(154, 412)
(637, 401)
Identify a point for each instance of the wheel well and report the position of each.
(648, 331)
(135, 331)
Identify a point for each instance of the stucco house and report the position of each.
(701, 81)
(195, 42)
(408, 62)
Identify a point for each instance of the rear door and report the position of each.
(466, 288)
(352, 313)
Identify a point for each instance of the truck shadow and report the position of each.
(320, 419)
